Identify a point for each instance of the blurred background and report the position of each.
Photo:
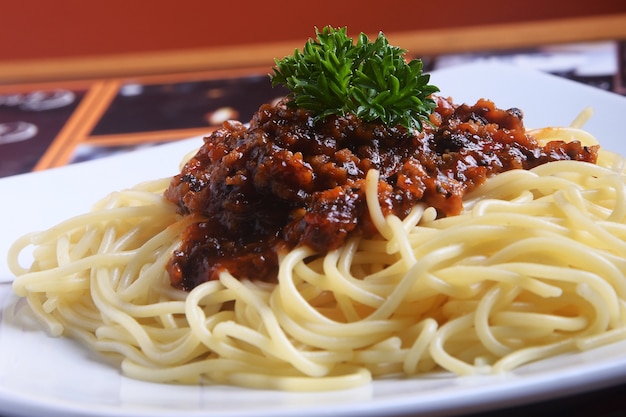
(117, 35)
(84, 79)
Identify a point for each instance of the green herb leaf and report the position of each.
(371, 80)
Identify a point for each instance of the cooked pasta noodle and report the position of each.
(534, 267)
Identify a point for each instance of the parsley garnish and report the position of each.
(371, 80)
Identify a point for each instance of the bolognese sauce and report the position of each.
(288, 179)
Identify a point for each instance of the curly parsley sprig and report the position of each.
(371, 80)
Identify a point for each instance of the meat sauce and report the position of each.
(287, 180)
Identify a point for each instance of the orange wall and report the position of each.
(67, 28)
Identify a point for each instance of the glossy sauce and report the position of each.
(287, 180)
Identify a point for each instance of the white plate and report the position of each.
(40, 375)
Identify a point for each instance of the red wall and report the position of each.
(64, 28)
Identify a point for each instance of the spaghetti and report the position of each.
(533, 267)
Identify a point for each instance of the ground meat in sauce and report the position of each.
(287, 180)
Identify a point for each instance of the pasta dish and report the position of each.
(314, 253)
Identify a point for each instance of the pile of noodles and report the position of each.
(534, 267)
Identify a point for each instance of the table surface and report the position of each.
(608, 402)
(77, 120)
